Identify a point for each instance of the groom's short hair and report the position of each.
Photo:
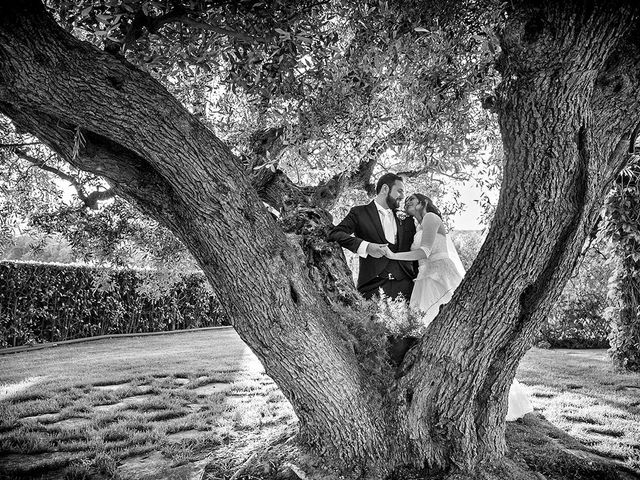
(388, 179)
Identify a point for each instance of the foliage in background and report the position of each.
(576, 322)
(38, 248)
(48, 303)
(468, 243)
(578, 318)
(622, 224)
(116, 234)
(43, 199)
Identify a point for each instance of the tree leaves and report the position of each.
(346, 73)
(343, 81)
(622, 226)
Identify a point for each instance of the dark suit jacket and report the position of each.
(363, 223)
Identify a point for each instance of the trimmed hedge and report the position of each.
(50, 302)
(577, 323)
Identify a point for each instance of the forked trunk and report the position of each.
(290, 297)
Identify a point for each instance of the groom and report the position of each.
(367, 229)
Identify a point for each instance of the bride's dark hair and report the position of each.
(428, 204)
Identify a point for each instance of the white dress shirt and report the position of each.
(388, 225)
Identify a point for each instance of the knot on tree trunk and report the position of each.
(325, 260)
(277, 190)
(327, 193)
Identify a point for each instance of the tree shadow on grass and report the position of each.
(177, 381)
(548, 450)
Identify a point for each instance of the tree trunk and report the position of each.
(290, 296)
(563, 145)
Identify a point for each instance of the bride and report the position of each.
(440, 271)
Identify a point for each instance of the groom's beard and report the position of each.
(392, 203)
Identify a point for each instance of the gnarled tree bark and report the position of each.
(568, 70)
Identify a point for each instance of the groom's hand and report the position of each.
(376, 250)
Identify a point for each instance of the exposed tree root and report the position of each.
(554, 454)
(537, 451)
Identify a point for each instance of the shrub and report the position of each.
(577, 323)
(622, 225)
(49, 302)
(578, 318)
(624, 314)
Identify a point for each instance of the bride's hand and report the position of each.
(388, 253)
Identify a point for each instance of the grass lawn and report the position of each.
(580, 392)
(85, 410)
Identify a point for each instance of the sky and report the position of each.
(468, 218)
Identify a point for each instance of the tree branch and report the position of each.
(222, 31)
(178, 14)
(47, 168)
(427, 169)
(277, 190)
(132, 180)
(17, 145)
(90, 201)
(96, 196)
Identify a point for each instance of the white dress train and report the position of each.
(519, 404)
(438, 276)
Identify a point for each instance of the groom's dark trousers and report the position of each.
(393, 276)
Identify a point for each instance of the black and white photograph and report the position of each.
(319, 240)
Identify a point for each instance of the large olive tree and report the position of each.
(567, 105)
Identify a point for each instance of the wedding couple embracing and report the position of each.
(408, 254)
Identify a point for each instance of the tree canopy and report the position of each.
(291, 93)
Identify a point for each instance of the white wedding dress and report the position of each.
(438, 276)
